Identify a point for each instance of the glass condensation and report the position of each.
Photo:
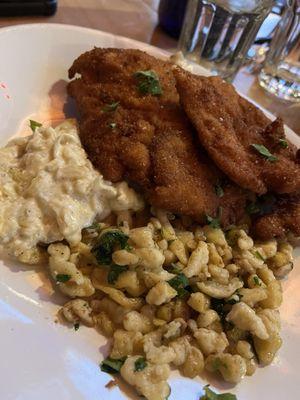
(280, 74)
(217, 34)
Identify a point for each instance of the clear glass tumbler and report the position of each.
(218, 33)
(280, 74)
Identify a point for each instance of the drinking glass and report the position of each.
(280, 74)
(218, 33)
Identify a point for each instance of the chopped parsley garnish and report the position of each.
(235, 298)
(258, 255)
(111, 107)
(62, 278)
(283, 143)
(215, 222)
(106, 244)
(112, 125)
(222, 306)
(219, 305)
(34, 124)
(111, 365)
(179, 283)
(219, 190)
(210, 395)
(148, 82)
(263, 205)
(256, 280)
(261, 149)
(140, 364)
(252, 208)
(114, 272)
(95, 226)
(76, 326)
(183, 293)
(174, 269)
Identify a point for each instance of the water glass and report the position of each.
(280, 74)
(218, 33)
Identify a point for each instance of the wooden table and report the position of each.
(137, 19)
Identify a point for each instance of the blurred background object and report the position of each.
(13, 8)
(170, 15)
(218, 34)
(280, 74)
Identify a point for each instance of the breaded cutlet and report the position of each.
(249, 148)
(145, 137)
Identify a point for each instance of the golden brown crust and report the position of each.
(183, 180)
(228, 125)
(152, 144)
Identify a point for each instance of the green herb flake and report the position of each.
(223, 307)
(140, 364)
(182, 293)
(219, 305)
(283, 143)
(111, 107)
(264, 152)
(106, 244)
(256, 280)
(34, 124)
(148, 83)
(112, 125)
(76, 326)
(114, 272)
(94, 226)
(235, 298)
(252, 208)
(179, 283)
(174, 269)
(263, 205)
(219, 190)
(215, 223)
(210, 395)
(258, 255)
(62, 278)
(111, 365)
(128, 247)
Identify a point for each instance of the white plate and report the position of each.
(41, 359)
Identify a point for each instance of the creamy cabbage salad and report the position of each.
(49, 190)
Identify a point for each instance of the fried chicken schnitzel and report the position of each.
(242, 141)
(132, 127)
